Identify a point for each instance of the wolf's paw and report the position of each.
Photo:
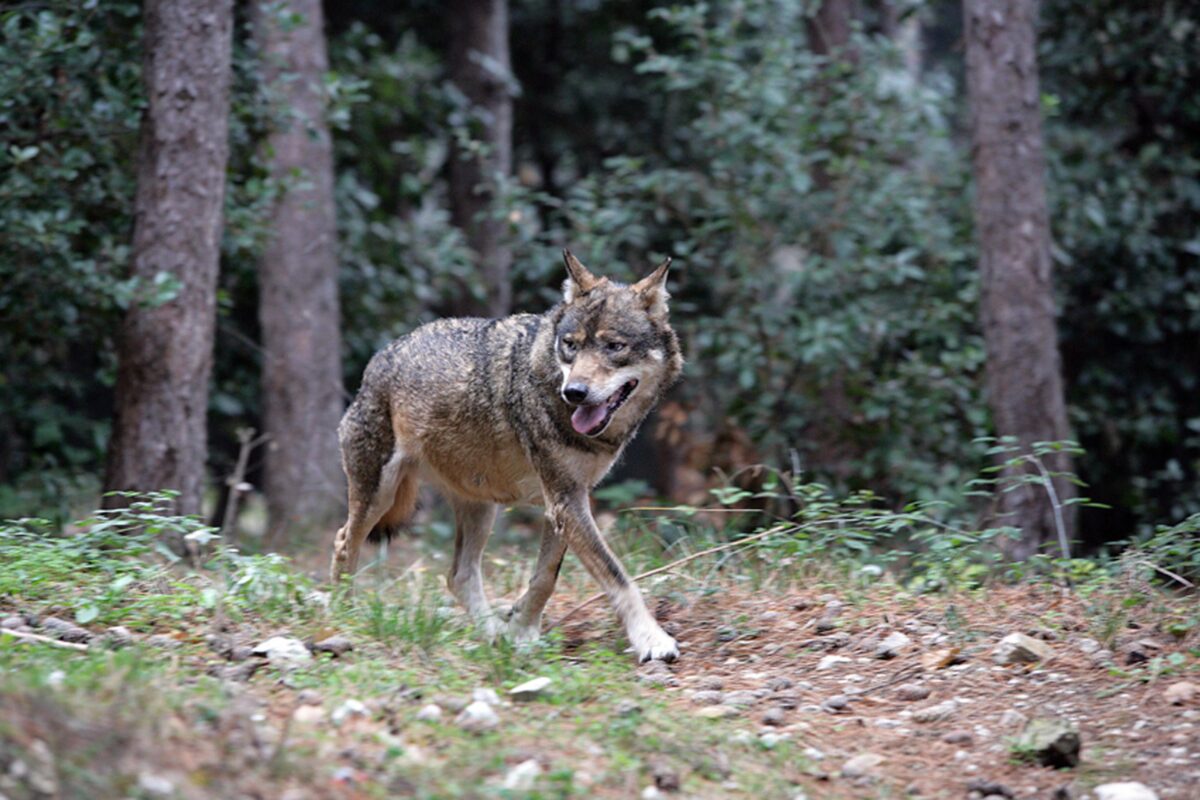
(654, 644)
(523, 634)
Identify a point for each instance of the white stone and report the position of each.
(861, 765)
(484, 695)
(430, 713)
(522, 777)
(829, 662)
(1017, 648)
(155, 785)
(1130, 790)
(308, 714)
(348, 709)
(530, 690)
(477, 717)
(284, 652)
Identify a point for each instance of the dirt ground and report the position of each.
(768, 644)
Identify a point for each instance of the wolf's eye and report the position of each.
(614, 347)
(568, 347)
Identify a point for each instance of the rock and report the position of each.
(1180, 693)
(116, 637)
(650, 793)
(337, 645)
(707, 697)
(1088, 646)
(13, 622)
(773, 717)
(836, 703)
(240, 653)
(522, 777)
(665, 778)
(1128, 790)
(283, 652)
(912, 692)
(743, 699)
(657, 678)
(1012, 718)
(308, 714)
(829, 662)
(449, 702)
(1140, 650)
(785, 701)
(431, 712)
(308, 697)
(862, 765)
(627, 708)
(826, 625)
(990, 788)
(716, 712)
(959, 737)
(66, 631)
(1050, 742)
(155, 785)
(711, 683)
(485, 695)
(936, 713)
(892, 645)
(530, 690)
(1017, 648)
(347, 710)
(477, 717)
(164, 641)
(779, 684)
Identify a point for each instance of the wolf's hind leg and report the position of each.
(526, 623)
(472, 527)
(392, 493)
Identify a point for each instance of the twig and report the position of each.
(37, 637)
(1166, 572)
(719, 548)
(1060, 524)
(237, 478)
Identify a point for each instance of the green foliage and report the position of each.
(796, 315)
(1171, 547)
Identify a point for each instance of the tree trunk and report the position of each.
(830, 26)
(298, 289)
(1024, 379)
(165, 348)
(480, 68)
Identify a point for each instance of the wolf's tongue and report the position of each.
(587, 417)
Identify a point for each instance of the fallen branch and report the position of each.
(719, 548)
(37, 637)
(1167, 572)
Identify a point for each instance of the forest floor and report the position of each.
(788, 686)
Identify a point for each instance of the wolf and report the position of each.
(527, 409)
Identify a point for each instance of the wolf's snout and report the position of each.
(576, 393)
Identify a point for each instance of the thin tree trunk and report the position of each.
(480, 68)
(830, 26)
(165, 348)
(298, 288)
(1023, 374)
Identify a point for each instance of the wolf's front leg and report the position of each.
(572, 519)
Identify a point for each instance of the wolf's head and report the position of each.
(615, 348)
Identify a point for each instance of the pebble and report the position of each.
(12, 622)
(813, 753)
(281, 651)
(1128, 790)
(987, 788)
(165, 641)
(665, 778)
(449, 702)
(912, 692)
(773, 717)
(337, 645)
(742, 699)
(65, 631)
(829, 662)
(711, 683)
(348, 709)
(310, 697)
(835, 703)
(1017, 648)
(1051, 742)
(485, 695)
(530, 690)
(116, 637)
(1180, 693)
(308, 714)
(708, 697)
(862, 765)
(431, 712)
(522, 777)
(627, 708)
(779, 684)
(716, 712)
(936, 713)
(892, 645)
(155, 785)
(1012, 719)
(959, 737)
(477, 717)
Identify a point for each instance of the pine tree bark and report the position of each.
(298, 278)
(165, 348)
(1023, 373)
(480, 68)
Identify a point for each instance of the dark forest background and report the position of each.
(808, 166)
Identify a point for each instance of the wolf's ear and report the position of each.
(653, 290)
(580, 281)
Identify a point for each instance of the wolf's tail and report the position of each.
(401, 512)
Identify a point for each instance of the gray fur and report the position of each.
(477, 407)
